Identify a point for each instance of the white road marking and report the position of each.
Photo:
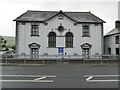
(38, 78)
(102, 75)
(89, 77)
(103, 80)
(28, 75)
(46, 81)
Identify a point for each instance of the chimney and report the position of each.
(117, 24)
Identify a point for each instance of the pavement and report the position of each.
(60, 75)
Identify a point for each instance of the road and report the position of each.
(64, 76)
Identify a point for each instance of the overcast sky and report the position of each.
(11, 9)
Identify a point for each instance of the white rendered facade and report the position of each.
(91, 44)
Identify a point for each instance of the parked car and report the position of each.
(6, 54)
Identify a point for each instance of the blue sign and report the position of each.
(60, 50)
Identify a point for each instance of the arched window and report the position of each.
(52, 39)
(69, 39)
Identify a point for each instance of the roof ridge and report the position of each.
(40, 11)
(75, 12)
(58, 11)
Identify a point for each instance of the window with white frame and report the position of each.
(109, 50)
(52, 39)
(69, 40)
(86, 30)
(117, 51)
(117, 39)
(34, 30)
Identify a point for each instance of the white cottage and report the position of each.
(112, 40)
(59, 33)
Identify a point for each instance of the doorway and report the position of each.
(34, 52)
(86, 48)
(85, 52)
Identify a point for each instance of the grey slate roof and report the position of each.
(46, 15)
(113, 32)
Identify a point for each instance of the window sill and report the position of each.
(60, 47)
(34, 35)
(51, 47)
(85, 36)
(69, 47)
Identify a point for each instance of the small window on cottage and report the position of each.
(34, 30)
(117, 51)
(109, 50)
(86, 31)
(116, 39)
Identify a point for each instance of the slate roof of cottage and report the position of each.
(113, 32)
(42, 16)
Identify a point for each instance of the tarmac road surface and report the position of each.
(62, 76)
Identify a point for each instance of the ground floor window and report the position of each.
(109, 50)
(117, 51)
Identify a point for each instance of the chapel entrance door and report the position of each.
(85, 52)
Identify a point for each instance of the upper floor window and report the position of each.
(86, 30)
(52, 39)
(34, 30)
(116, 39)
(69, 40)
